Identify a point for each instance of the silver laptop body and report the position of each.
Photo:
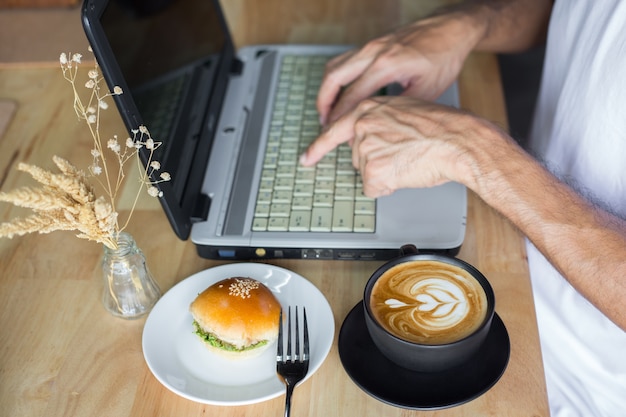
(217, 133)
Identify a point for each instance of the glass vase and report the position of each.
(129, 289)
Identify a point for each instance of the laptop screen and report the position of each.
(169, 57)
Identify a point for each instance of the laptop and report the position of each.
(233, 124)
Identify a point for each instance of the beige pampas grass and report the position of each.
(64, 201)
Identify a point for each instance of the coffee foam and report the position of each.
(428, 302)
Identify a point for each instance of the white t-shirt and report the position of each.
(580, 132)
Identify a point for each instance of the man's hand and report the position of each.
(424, 58)
(402, 142)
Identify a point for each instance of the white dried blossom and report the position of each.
(103, 104)
(95, 153)
(63, 58)
(117, 90)
(93, 74)
(155, 165)
(153, 191)
(92, 118)
(76, 58)
(130, 143)
(165, 176)
(144, 130)
(90, 84)
(91, 110)
(150, 144)
(114, 145)
(96, 170)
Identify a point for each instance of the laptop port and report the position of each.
(317, 254)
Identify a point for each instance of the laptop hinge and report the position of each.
(236, 67)
(201, 210)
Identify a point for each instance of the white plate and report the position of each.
(178, 359)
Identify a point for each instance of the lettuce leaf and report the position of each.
(214, 341)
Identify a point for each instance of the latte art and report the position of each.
(428, 302)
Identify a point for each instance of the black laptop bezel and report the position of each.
(192, 206)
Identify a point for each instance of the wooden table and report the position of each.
(62, 355)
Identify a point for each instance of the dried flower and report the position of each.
(96, 169)
(66, 200)
(113, 145)
(153, 191)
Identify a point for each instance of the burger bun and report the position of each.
(237, 317)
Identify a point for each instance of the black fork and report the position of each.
(292, 367)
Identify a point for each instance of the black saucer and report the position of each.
(392, 384)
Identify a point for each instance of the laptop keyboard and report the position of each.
(159, 104)
(325, 198)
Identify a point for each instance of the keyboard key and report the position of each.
(325, 174)
(285, 197)
(344, 193)
(266, 186)
(284, 183)
(286, 171)
(280, 210)
(302, 203)
(303, 190)
(346, 180)
(259, 224)
(305, 176)
(262, 210)
(278, 224)
(264, 197)
(321, 219)
(268, 174)
(345, 167)
(364, 223)
(325, 187)
(365, 207)
(300, 221)
(343, 216)
(323, 200)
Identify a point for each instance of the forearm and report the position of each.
(503, 25)
(585, 243)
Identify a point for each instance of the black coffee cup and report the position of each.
(427, 355)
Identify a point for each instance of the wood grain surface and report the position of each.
(62, 355)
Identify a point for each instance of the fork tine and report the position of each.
(279, 353)
(296, 357)
(305, 356)
(289, 357)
